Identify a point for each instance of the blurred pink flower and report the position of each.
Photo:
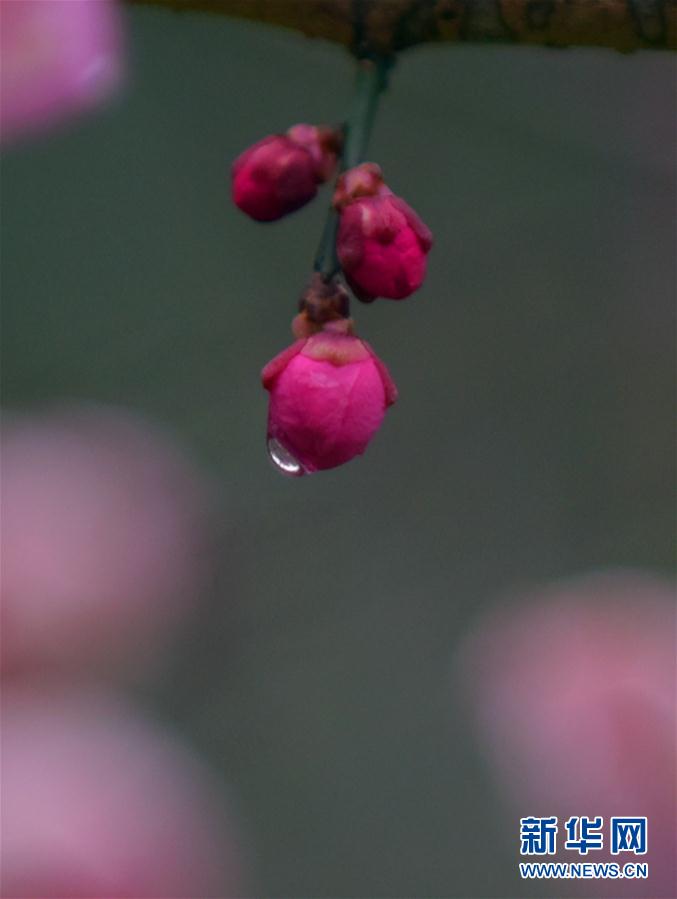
(573, 694)
(58, 57)
(96, 803)
(102, 538)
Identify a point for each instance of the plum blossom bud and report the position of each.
(382, 243)
(58, 58)
(328, 395)
(280, 173)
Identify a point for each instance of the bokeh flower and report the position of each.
(57, 58)
(572, 692)
(99, 803)
(103, 539)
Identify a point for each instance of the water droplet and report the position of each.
(283, 460)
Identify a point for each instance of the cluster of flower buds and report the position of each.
(329, 391)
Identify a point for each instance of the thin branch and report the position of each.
(381, 27)
(371, 81)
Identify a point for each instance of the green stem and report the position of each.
(371, 81)
(326, 260)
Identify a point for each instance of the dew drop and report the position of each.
(283, 460)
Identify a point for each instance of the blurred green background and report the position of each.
(532, 439)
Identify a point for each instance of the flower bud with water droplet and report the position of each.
(328, 395)
(382, 244)
(281, 172)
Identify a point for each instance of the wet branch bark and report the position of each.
(377, 27)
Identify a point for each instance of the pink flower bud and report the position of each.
(280, 173)
(382, 246)
(328, 395)
(58, 58)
